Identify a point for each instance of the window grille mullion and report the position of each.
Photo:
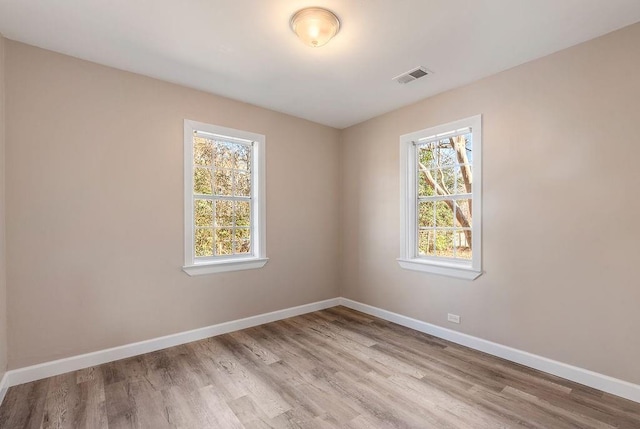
(445, 197)
(220, 197)
(443, 228)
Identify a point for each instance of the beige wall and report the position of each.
(561, 178)
(95, 209)
(3, 276)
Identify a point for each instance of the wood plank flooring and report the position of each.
(335, 368)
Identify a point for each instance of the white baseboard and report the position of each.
(74, 363)
(579, 375)
(3, 387)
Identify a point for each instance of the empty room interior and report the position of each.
(331, 214)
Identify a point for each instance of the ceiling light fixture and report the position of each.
(315, 26)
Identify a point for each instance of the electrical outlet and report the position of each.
(453, 318)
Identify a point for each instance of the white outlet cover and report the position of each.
(453, 318)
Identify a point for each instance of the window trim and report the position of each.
(408, 204)
(257, 259)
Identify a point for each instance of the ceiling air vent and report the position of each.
(412, 75)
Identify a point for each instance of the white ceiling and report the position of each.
(244, 49)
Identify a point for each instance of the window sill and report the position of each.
(224, 266)
(444, 269)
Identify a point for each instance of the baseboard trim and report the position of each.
(74, 363)
(596, 380)
(3, 387)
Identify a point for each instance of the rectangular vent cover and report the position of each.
(412, 75)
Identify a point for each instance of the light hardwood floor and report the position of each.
(332, 368)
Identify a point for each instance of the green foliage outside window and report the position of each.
(222, 214)
(444, 203)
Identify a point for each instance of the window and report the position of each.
(440, 199)
(224, 199)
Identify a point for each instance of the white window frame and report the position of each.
(409, 258)
(217, 264)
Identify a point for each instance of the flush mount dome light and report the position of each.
(315, 26)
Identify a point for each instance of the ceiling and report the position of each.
(244, 49)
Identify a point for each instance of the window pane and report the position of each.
(462, 242)
(202, 181)
(243, 155)
(223, 234)
(435, 180)
(202, 151)
(468, 152)
(444, 214)
(457, 145)
(445, 154)
(464, 176)
(426, 243)
(243, 233)
(243, 213)
(463, 211)
(425, 188)
(441, 178)
(224, 213)
(243, 184)
(446, 179)
(243, 246)
(444, 243)
(224, 155)
(223, 182)
(203, 213)
(426, 156)
(204, 242)
(426, 213)
(223, 241)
